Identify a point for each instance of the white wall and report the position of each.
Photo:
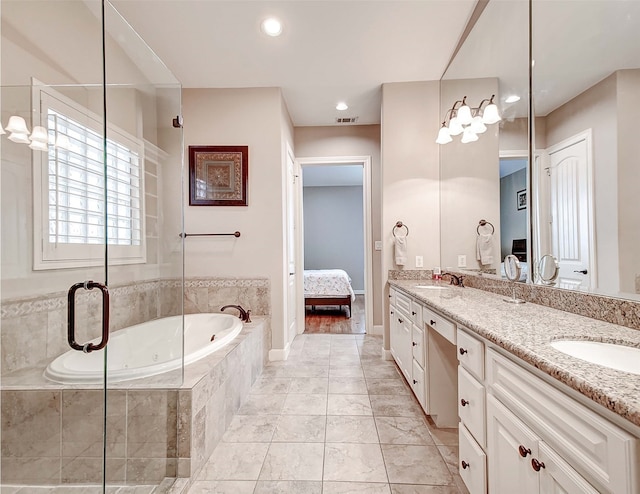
(410, 174)
(352, 140)
(469, 180)
(252, 117)
(334, 231)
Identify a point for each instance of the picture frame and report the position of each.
(521, 199)
(218, 175)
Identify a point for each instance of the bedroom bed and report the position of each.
(328, 287)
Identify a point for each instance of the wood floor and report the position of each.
(329, 319)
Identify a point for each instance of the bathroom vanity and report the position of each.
(531, 418)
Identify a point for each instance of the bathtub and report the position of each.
(147, 349)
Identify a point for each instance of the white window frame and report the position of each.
(47, 255)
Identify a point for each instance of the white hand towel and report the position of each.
(484, 248)
(401, 250)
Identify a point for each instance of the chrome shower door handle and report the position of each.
(71, 316)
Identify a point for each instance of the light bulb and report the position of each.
(17, 124)
(464, 115)
(39, 146)
(443, 136)
(477, 127)
(39, 134)
(468, 136)
(491, 115)
(454, 127)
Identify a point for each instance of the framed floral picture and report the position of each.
(218, 175)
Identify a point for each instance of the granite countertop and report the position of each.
(525, 330)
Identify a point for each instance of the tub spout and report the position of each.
(245, 315)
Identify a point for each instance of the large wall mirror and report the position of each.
(484, 192)
(580, 193)
(586, 100)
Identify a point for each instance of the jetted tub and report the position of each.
(147, 349)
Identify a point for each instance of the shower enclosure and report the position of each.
(91, 177)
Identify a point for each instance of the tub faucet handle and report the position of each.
(248, 317)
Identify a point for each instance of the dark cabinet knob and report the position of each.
(414, 343)
(464, 402)
(389, 295)
(415, 382)
(400, 321)
(413, 313)
(536, 465)
(464, 464)
(432, 322)
(523, 451)
(463, 351)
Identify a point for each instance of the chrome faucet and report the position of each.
(245, 315)
(455, 280)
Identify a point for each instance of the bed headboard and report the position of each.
(519, 248)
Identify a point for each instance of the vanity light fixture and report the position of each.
(39, 139)
(342, 106)
(2, 132)
(271, 27)
(468, 121)
(19, 131)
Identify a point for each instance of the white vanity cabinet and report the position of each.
(407, 342)
(472, 412)
(531, 435)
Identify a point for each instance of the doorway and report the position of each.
(335, 235)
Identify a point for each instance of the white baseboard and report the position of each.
(378, 329)
(279, 354)
(386, 355)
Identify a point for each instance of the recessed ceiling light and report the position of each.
(512, 99)
(342, 106)
(272, 27)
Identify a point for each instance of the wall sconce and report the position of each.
(19, 131)
(468, 121)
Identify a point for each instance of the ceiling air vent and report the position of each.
(346, 119)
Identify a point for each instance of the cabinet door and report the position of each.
(473, 463)
(557, 477)
(417, 383)
(404, 344)
(417, 344)
(393, 333)
(510, 447)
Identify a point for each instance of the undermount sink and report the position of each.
(619, 357)
(432, 287)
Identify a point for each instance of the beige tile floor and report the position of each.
(333, 419)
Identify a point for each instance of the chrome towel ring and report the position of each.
(399, 224)
(484, 223)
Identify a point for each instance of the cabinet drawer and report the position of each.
(418, 383)
(418, 344)
(403, 302)
(416, 313)
(471, 405)
(439, 324)
(595, 447)
(392, 296)
(473, 463)
(471, 354)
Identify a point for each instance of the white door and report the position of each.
(510, 448)
(291, 274)
(571, 211)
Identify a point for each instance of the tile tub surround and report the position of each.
(526, 330)
(46, 316)
(54, 436)
(349, 440)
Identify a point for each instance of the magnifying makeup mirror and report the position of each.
(512, 271)
(548, 269)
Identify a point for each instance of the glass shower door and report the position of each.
(91, 170)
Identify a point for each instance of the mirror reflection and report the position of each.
(586, 167)
(580, 191)
(547, 269)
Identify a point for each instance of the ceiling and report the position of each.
(330, 51)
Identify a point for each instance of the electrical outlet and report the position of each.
(377, 245)
(419, 262)
(462, 261)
